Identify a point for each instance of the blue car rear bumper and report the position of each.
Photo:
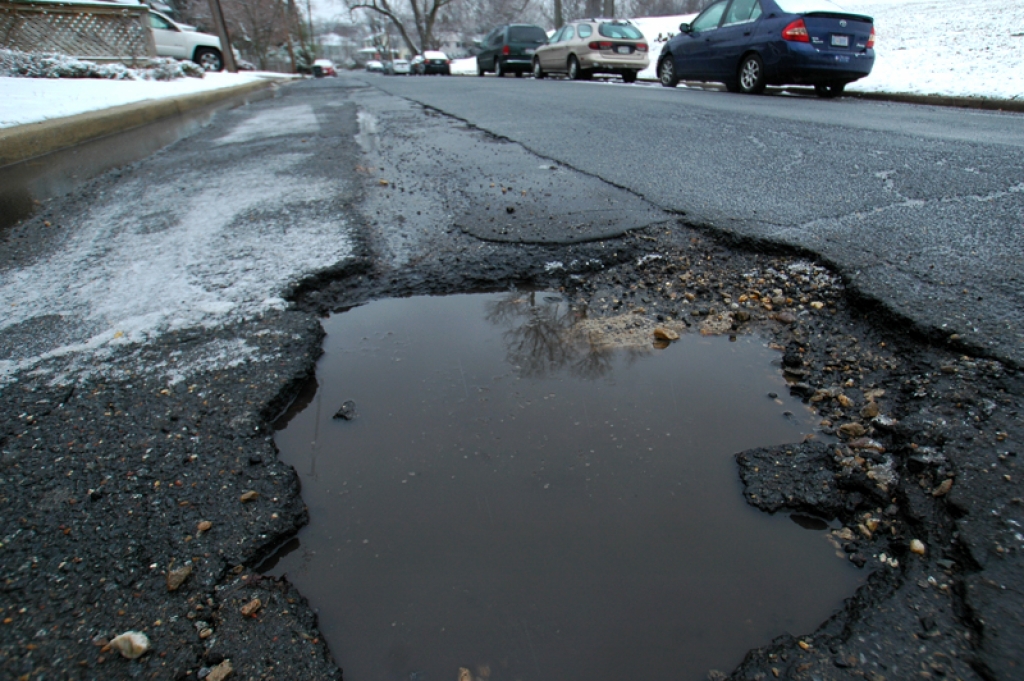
(802, 63)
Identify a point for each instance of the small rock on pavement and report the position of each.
(250, 608)
(249, 496)
(204, 526)
(917, 546)
(347, 411)
(852, 430)
(131, 644)
(784, 318)
(943, 488)
(665, 334)
(220, 672)
(175, 578)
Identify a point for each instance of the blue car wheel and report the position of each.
(751, 75)
(667, 72)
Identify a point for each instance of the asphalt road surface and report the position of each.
(159, 319)
(920, 208)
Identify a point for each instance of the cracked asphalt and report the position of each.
(120, 442)
(918, 207)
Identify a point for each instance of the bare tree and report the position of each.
(483, 15)
(655, 8)
(257, 26)
(422, 14)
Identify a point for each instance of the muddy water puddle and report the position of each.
(519, 498)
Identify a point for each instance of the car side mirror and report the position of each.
(685, 28)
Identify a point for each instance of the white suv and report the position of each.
(184, 42)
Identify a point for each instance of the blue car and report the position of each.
(749, 44)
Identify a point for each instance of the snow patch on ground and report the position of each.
(463, 67)
(290, 120)
(18, 64)
(972, 48)
(153, 259)
(30, 100)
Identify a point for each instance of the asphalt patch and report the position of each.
(552, 204)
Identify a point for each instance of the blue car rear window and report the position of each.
(621, 31)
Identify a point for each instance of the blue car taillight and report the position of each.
(796, 32)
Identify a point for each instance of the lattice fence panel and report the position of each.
(76, 30)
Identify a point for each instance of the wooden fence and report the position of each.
(98, 31)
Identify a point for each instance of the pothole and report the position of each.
(527, 497)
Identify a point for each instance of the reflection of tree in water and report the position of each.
(543, 337)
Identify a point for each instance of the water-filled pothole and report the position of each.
(518, 497)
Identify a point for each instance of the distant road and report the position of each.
(920, 208)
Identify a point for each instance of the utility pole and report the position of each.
(227, 54)
(559, 20)
(312, 40)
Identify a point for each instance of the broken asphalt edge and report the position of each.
(24, 142)
(923, 330)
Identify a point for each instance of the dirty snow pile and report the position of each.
(16, 64)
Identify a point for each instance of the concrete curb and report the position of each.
(23, 142)
(988, 104)
(983, 103)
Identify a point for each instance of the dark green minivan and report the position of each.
(509, 49)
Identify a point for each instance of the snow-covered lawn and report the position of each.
(29, 100)
(966, 48)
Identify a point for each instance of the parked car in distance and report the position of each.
(326, 67)
(509, 49)
(185, 42)
(397, 67)
(433, 61)
(749, 44)
(375, 66)
(583, 48)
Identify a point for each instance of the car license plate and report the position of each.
(529, 50)
(841, 41)
(622, 49)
